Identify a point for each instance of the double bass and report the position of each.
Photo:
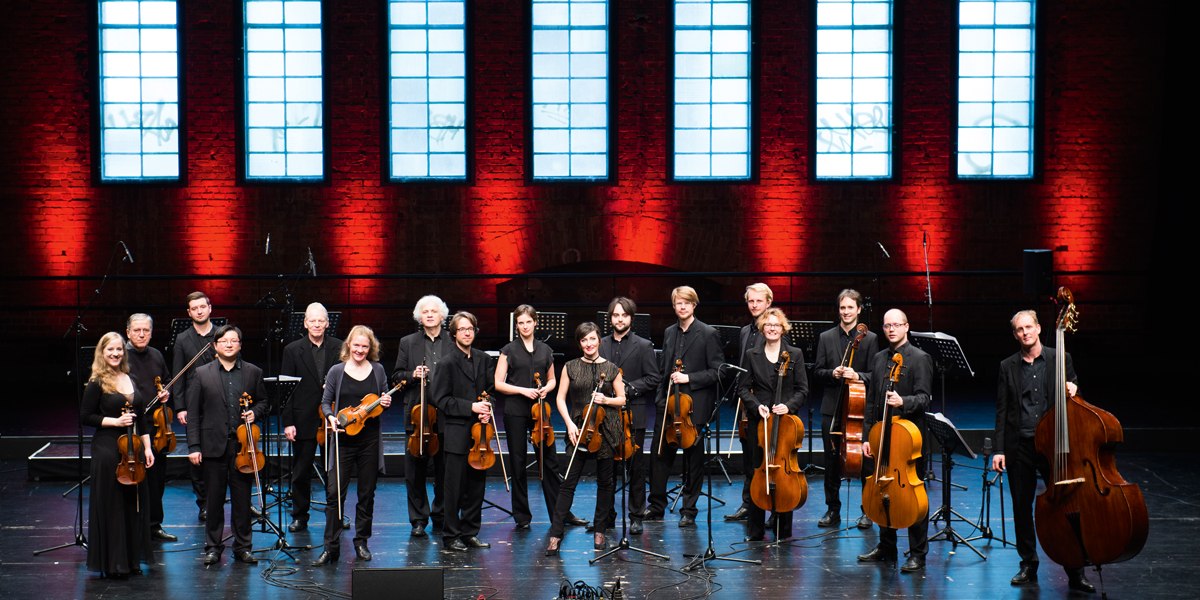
(130, 470)
(1088, 514)
(894, 496)
(847, 421)
(678, 429)
(779, 484)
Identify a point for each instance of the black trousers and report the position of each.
(156, 480)
(516, 430)
(196, 474)
(833, 467)
(602, 518)
(918, 534)
(637, 475)
(416, 478)
(464, 498)
(693, 475)
(303, 453)
(219, 473)
(363, 455)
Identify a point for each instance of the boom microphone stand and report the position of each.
(624, 543)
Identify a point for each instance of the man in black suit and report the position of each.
(420, 353)
(910, 397)
(187, 345)
(214, 414)
(1024, 394)
(828, 372)
(146, 363)
(308, 358)
(698, 346)
(462, 376)
(634, 355)
(758, 298)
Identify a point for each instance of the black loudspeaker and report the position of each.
(1039, 272)
(411, 583)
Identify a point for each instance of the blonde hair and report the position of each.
(102, 373)
(761, 288)
(777, 313)
(685, 293)
(357, 330)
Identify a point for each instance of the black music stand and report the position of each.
(624, 543)
(990, 480)
(550, 326)
(295, 326)
(640, 324)
(281, 391)
(178, 326)
(947, 355)
(804, 335)
(951, 442)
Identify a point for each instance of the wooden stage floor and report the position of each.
(816, 564)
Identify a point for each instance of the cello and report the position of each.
(779, 484)
(130, 470)
(1088, 514)
(894, 496)
(681, 431)
(164, 436)
(423, 440)
(850, 413)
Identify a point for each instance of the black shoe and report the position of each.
(254, 512)
(772, 521)
(522, 525)
(419, 531)
(162, 536)
(212, 558)
(685, 522)
(591, 528)
(1027, 574)
(552, 547)
(1079, 583)
(244, 556)
(574, 520)
(912, 565)
(830, 519)
(652, 516)
(297, 525)
(635, 527)
(475, 542)
(753, 538)
(203, 515)
(864, 522)
(361, 551)
(455, 545)
(741, 514)
(878, 554)
(326, 558)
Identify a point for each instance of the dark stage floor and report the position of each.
(816, 564)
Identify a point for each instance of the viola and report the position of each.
(352, 418)
(423, 441)
(481, 457)
(164, 436)
(629, 444)
(778, 484)
(130, 470)
(894, 496)
(249, 458)
(1089, 514)
(678, 429)
(847, 421)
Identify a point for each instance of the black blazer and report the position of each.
(639, 371)
(412, 350)
(914, 387)
(829, 357)
(701, 355)
(1008, 395)
(758, 386)
(207, 419)
(298, 361)
(457, 384)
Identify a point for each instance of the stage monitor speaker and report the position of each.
(411, 583)
(1039, 272)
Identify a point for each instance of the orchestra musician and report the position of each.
(828, 372)
(589, 382)
(214, 414)
(187, 344)
(118, 535)
(346, 384)
(758, 298)
(308, 358)
(911, 397)
(146, 363)
(464, 374)
(1024, 394)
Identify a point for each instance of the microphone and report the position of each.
(987, 446)
(734, 367)
(312, 264)
(267, 248)
(882, 249)
(924, 241)
(128, 255)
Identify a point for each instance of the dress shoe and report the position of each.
(244, 556)
(326, 558)
(212, 558)
(864, 522)
(912, 565)
(685, 521)
(753, 538)
(361, 551)
(419, 531)
(1079, 583)
(1027, 574)
(772, 521)
(203, 515)
(475, 542)
(522, 525)
(591, 528)
(741, 514)
(598, 542)
(455, 545)
(254, 512)
(649, 515)
(297, 525)
(635, 527)
(574, 520)
(878, 554)
(552, 547)
(830, 519)
(162, 536)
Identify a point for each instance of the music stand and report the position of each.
(947, 355)
(295, 326)
(640, 324)
(804, 335)
(281, 389)
(550, 325)
(985, 511)
(952, 442)
(178, 326)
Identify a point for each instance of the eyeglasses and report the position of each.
(772, 326)
(465, 329)
(892, 326)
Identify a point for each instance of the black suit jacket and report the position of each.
(457, 384)
(829, 357)
(298, 361)
(758, 386)
(639, 371)
(915, 385)
(412, 351)
(701, 355)
(1008, 395)
(207, 419)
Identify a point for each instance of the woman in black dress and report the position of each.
(577, 388)
(118, 515)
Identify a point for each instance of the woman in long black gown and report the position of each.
(118, 515)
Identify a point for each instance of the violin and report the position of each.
(778, 484)
(1089, 514)
(542, 433)
(164, 436)
(130, 470)
(249, 457)
(352, 418)
(629, 444)
(481, 457)
(894, 496)
(589, 436)
(678, 429)
(848, 416)
(423, 441)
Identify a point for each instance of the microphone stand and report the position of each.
(624, 543)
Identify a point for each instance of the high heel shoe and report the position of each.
(598, 541)
(552, 547)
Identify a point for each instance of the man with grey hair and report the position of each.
(146, 363)
(420, 353)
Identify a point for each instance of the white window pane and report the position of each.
(974, 139)
(123, 140)
(693, 65)
(121, 115)
(264, 12)
(1013, 40)
(122, 165)
(1013, 64)
(446, 40)
(691, 165)
(831, 14)
(551, 165)
(303, 90)
(300, 40)
(730, 165)
(693, 14)
(692, 115)
(730, 115)
(551, 15)
(589, 115)
(1014, 13)
(872, 65)
(446, 115)
(119, 13)
(301, 13)
(266, 89)
(588, 140)
(304, 165)
(122, 64)
(551, 115)
(446, 13)
(1013, 89)
(551, 90)
(407, 13)
(116, 40)
(447, 90)
(448, 165)
(833, 115)
(156, 40)
(974, 90)
(159, 141)
(730, 140)
(731, 41)
(974, 164)
(871, 41)
(589, 65)
(588, 166)
(550, 41)
(408, 65)
(692, 41)
(264, 64)
(731, 14)
(976, 40)
(160, 90)
(974, 114)
(410, 140)
(409, 90)
(1013, 139)
(160, 165)
(833, 165)
(975, 64)
(304, 140)
(731, 65)
(446, 65)
(590, 14)
(265, 115)
(264, 140)
(302, 64)
(871, 90)
(589, 90)
(551, 65)
(690, 141)
(835, 40)
(1015, 114)
(869, 140)
(452, 139)
(159, 64)
(1012, 165)
(410, 165)
(976, 13)
(834, 65)
(410, 115)
(303, 115)
(263, 40)
(730, 90)
(697, 90)
(407, 40)
(158, 13)
(834, 90)
(872, 13)
(588, 41)
(871, 165)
